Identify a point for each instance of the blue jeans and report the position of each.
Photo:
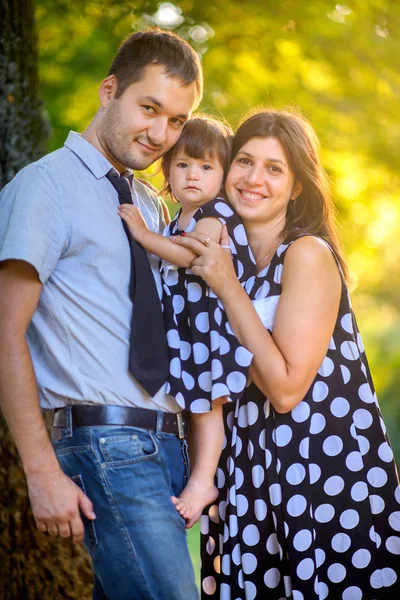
(138, 541)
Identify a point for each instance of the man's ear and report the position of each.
(107, 90)
(297, 189)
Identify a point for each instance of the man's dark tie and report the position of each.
(148, 356)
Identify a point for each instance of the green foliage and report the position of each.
(338, 64)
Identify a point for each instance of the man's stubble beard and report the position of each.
(117, 145)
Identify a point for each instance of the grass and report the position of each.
(193, 538)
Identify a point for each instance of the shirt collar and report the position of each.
(91, 157)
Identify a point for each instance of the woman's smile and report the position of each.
(260, 182)
(251, 196)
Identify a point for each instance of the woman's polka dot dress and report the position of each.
(309, 504)
(206, 360)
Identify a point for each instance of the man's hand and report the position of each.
(133, 218)
(56, 504)
(55, 499)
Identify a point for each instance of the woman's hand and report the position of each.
(214, 260)
(133, 218)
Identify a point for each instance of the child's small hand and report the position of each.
(133, 218)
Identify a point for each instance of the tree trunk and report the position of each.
(23, 128)
(33, 566)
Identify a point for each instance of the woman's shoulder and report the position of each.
(310, 255)
(308, 247)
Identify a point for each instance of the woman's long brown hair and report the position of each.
(313, 211)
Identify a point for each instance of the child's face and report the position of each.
(195, 181)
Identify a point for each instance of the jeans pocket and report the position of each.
(90, 538)
(125, 449)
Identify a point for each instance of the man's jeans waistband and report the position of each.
(102, 415)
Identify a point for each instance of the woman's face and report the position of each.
(260, 183)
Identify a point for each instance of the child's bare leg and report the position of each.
(207, 438)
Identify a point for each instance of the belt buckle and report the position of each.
(181, 432)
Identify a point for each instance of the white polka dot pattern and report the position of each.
(313, 482)
(206, 360)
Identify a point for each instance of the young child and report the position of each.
(208, 366)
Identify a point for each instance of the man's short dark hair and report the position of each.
(156, 47)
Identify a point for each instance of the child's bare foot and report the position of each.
(194, 498)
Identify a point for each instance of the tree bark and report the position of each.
(33, 566)
(23, 129)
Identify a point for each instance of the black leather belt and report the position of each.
(144, 418)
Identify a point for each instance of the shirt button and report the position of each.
(102, 440)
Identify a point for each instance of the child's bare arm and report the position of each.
(153, 242)
(210, 226)
(159, 245)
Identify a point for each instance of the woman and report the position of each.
(309, 503)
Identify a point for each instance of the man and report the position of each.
(65, 321)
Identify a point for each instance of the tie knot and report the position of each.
(121, 183)
(123, 187)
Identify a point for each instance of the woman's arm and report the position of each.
(286, 362)
(160, 245)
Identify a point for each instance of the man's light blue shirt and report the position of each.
(60, 215)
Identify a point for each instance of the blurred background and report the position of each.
(337, 63)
